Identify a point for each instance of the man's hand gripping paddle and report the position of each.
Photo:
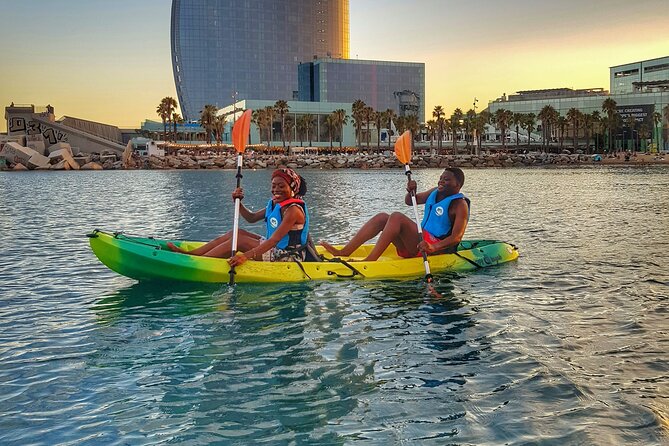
(403, 153)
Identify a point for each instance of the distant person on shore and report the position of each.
(287, 221)
(444, 224)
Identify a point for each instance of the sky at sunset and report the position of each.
(109, 61)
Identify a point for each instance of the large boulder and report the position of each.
(36, 142)
(15, 154)
(38, 161)
(91, 166)
(63, 155)
(59, 146)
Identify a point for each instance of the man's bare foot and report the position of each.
(331, 249)
(174, 248)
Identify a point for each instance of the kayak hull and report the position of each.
(148, 259)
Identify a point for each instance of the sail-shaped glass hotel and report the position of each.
(226, 50)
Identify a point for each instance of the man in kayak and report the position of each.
(287, 221)
(444, 224)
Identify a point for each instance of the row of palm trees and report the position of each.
(302, 126)
(594, 125)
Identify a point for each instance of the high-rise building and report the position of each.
(226, 50)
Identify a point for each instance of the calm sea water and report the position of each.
(569, 345)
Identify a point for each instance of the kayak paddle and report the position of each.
(240, 137)
(403, 153)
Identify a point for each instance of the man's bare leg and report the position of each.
(368, 231)
(399, 230)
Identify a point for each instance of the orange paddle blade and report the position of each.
(240, 131)
(403, 147)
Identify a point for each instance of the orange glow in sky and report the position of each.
(110, 61)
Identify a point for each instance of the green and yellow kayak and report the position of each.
(147, 259)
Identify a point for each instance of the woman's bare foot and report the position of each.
(331, 249)
(174, 248)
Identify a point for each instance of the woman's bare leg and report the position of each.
(202, 250)
(368, 231)
(244, 243)
(401, 231)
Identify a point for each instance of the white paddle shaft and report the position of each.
(415, 213)
(235, 223)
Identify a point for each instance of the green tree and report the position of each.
(208, 119)
(176, 119)
(269, 116)
(438, 114)
(574, 116)
(281, 108)
(529, 121)
(609, 107)
(517, 119)
(358, 114)
(219, 127)
(390, 116)
(456, 117)
(502, 118)
(340, 119)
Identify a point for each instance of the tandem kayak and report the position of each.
(149, 259)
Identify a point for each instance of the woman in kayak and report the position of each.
(287, 221)
(444, 224)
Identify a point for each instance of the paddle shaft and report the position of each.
(235, 224)
(428, 274)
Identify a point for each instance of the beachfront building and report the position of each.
(641, 93)
(317, 133)
(226, 50)
(399, 86)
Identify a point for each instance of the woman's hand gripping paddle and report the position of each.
(403, 153)
(240, 137)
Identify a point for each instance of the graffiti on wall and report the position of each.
(30, 127)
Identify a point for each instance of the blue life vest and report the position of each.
(436, 220)
(294, 238)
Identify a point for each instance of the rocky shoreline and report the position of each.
(340, 161)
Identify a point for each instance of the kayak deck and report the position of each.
(149, 259)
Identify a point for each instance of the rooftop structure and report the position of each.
(380, 84)
(644, 76)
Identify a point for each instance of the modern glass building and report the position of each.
(380, 84)
(226, 50)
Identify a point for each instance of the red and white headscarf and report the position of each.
(290, 177)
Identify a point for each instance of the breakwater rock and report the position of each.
(340, 161)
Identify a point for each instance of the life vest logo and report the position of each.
(439, 211)
(273, 222)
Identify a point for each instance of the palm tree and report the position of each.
(482, 120)
(257, 117)
(169, 106)
(562, 127)
(609, 106)
(219, 127)
(358, 113)
(340, 119)
(456, 117)
(574, 115)
(331, 127)
(517, 119)
(431, 129)
(502, 119)
(470, 116)
(290, 128)
(207, 119)
(438, 114)
(389, 115)
(596, 120)
(162, 112)
(281, 108)
(176, 119)
(368, 114)
(379, 118)
(657, 119)
(269, 116)
(309, 123)
(529, 121)
(548, 116)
